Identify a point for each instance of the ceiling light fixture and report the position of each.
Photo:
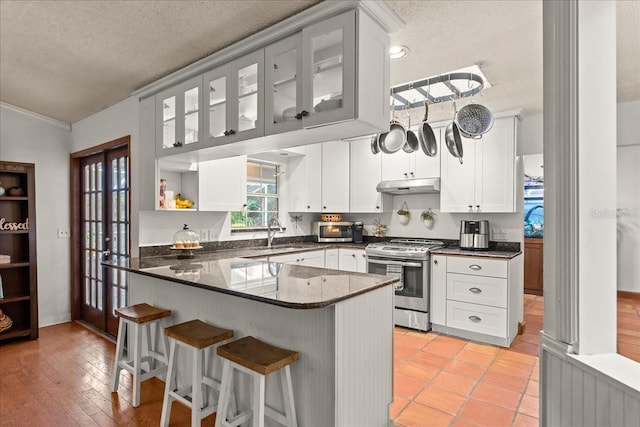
(398, 51)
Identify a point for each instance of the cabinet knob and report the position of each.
(232, 132)
(475, 267)
(353, 255)
(471, 207)
(475, 290)
(244, 206)
(435, 261)
(411, 173)
(324, 207)
(475, 319)
(177, 144)
(478, 208)
(406, 175)
(377, 207)
(226, 133)
(308, 207)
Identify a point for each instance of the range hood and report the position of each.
(410, 186)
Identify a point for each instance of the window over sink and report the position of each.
(262, 197)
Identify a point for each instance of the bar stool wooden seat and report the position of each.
(133, 319)
(258, 359)
(198, 337)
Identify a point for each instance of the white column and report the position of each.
(580, 174)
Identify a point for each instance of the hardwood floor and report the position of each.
(63, 378)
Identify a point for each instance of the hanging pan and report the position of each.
(392, 141)
(412, 143)
(426, 136)
(452, 138)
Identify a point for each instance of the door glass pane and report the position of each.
(327, 70)
(191, 116)
(168, 122)
(218, 107)
(87, 171)
(284, 85)
(247, 97)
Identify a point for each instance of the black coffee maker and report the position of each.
(358, 226)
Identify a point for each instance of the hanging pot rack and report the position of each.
(435, 89)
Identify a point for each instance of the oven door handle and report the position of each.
(391, 262)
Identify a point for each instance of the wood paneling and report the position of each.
(533, 268)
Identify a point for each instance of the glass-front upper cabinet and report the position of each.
(310, 76)
(235, 99)
(328, 56)
(178, 117)
(283, 79)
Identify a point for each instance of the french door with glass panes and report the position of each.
(105, 231)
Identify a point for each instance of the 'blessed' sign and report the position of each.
(13, 226)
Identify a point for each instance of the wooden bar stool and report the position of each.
(134, 318)
(199, 337)
(258, 359)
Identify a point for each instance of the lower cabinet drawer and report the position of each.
(477, 289)
(477, 318)
(477, 265)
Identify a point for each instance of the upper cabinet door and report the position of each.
(328, 60)
(283, 83)
(178, 118)
(235, 94)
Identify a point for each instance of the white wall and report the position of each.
(24, 138)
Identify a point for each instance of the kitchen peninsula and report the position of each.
(340, 322)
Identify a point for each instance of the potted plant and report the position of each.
(404, 214)
(428, 217)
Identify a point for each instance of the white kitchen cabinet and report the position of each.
(331, 259)
(477, 298)
(178, 118)
(335, 176)
(352, 260)
(308, 258)
(365, 173)
(304, 180)
(438, 289)
(403, 165)
(222, 184)
(234, 100)
(485, 181)
(147, 191)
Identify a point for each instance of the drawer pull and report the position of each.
(475, 267)
(475, 290)
(475, 319)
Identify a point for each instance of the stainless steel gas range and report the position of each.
(410, 260)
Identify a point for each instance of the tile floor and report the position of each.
(63, 378)
(446, 381)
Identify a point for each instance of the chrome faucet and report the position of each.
(272, 222)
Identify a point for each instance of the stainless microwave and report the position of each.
(325, 232)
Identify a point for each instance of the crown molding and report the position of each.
(54, 122)
(378, 10)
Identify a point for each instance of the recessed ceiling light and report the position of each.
(398, 51)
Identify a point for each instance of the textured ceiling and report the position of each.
(70, 59)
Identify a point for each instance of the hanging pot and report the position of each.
(392, 141)
(426, 137)
(454, 143)
(412, 143)
(375, 149)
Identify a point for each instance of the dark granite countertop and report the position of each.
(286, 285)
(503, 254)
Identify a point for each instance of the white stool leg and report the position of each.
(196, 388)
(169, 386)
(118, 356)
(223, 397)
(137, 350)
(151, 362)
(287, 393)
(257, 407)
